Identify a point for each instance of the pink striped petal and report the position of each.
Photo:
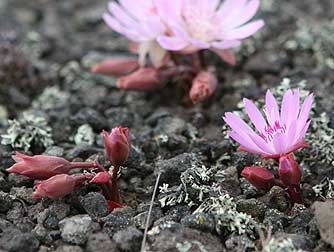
(286, 108)
(246, 14)
(250, 146)
(302, 132)
(291, 132)
(305, 111)
(280, 143)
(121, 15)
(255, 115)
(231, 8)
(263, 145)
(238, 125)
(244, 31)
(271, 109)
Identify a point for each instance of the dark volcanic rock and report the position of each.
(175, 237)
(200, 221)
(100, 242)
(95, 205)
(171, 169)
(5, 202)
(13, 240)
(113, 223)
(75, 230)
(128, 239)
(324, 216)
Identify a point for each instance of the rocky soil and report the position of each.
(203, 204)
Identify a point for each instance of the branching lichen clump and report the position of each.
(51, 98)
(197, 189)
(29, 130)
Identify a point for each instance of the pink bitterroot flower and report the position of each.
(140, 23)
(281, 133)
(207, 24)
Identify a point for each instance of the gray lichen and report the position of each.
(280, 245)
(51, 98)
(228, 219)
(325, 189)
(199, 190)
(27, 131)
(84, 135)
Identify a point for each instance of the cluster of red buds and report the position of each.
(289, 179)
(133, 77)
(51, 173)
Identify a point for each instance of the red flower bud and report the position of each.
(101, 177)
(144, 79)
(116, 66)
(259, 177)
(289, 170)
(203, 86)
(58, 186)
(39, 166)
(117, 145)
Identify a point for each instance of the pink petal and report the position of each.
(302, 133)
(271, 109)
(200, 44)
(304, 113)
(121, 15)
(172, 43)
(231, 8)
(154, 26)
(291, 132)
(209, 6)
(280, 143)
(238, 125)
(226, 55)
(244, 31)
(113, 23)
(226, 44)
(247, 145)
(246, 14)
(136, 9)
(255, 115)
(170, 11)
(263, 145)
(286, 107)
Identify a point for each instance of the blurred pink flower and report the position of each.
(282, 133)
(139, 21)
(207, 24)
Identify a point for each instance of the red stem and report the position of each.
(114, 186)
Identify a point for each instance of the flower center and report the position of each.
(271, 130)
(201, 25)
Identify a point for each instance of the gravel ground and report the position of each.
(203, 204)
